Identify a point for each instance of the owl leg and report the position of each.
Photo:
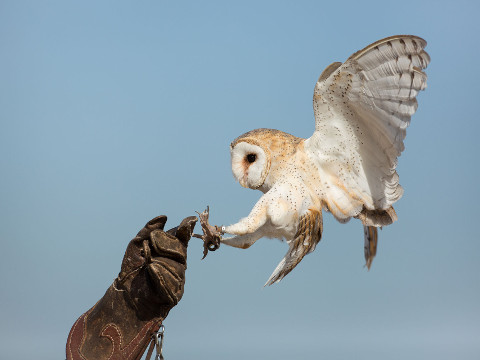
(250, 229)
(242, 241)
(254, 221)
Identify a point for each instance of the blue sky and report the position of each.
(115, 112)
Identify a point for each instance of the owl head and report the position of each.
(258, 155)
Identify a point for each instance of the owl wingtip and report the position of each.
(272, 280)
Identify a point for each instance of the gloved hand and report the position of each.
(151, 281)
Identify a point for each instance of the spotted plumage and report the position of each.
(347, 167)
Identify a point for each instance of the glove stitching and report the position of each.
(83, 336)
(174, 274)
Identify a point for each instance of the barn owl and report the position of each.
(347, 167)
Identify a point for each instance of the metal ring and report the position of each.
(213, 246)
(161, 329)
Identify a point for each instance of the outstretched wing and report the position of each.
(362, 109)
(308, 235)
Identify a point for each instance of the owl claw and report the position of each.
(211, 234)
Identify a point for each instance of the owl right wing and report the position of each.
(309, 233)
(362, 109)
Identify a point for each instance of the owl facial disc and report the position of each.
(250, 164)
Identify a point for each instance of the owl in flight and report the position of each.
(347, 167)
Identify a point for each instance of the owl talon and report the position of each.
(211, 234)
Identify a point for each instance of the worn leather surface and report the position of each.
(151, 282)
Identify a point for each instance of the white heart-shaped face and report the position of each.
(249, 164)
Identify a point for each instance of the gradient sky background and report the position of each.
(114, 112)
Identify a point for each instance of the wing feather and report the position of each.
(370, 248)
(308, 235)
(362, 109)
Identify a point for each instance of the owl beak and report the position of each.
(243, 182)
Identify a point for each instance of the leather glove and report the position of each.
(151, 282)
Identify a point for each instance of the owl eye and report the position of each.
(251, 158)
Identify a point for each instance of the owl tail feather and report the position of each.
(370, 247)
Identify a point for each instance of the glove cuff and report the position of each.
(124, 336)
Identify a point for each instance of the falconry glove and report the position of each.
(151, 282)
